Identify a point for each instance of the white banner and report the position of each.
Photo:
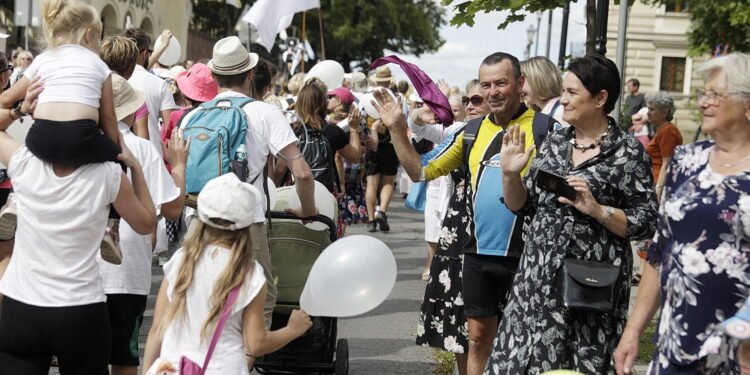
(272, 16)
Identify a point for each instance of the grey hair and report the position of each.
(736, 69)
(455, 99)
(663, 101)
(471, 84)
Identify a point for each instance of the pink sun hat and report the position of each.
(197, 83)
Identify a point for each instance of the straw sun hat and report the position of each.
(127, 99)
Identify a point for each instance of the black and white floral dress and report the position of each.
(537, 333)
(442, 321)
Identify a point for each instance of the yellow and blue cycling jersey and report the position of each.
(497, 230)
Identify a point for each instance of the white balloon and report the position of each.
(286, 196)
(172, 54)
(328, 71)
(350, 277)
(366, 104)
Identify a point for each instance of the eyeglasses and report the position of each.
(475, 100)
(150, 51)
(9, 69)
(712, 97)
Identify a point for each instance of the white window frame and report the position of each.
(687, 82)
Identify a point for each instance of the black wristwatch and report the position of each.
(17, 110)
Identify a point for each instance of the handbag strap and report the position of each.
(220, 325)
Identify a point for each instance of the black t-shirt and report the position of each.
(634, 104)
(336, 136)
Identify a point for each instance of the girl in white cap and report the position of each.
(213, 280)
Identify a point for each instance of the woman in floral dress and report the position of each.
(698, 262)
(615, 203)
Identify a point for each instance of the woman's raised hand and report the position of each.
(391, 111)
(355, 118)
(514, 156)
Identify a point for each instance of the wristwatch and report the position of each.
(17, 110)
(610, 211)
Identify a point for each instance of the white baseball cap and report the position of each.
(227, 198)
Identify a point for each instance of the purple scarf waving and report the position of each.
(428, 90)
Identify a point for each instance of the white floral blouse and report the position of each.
(701, 244)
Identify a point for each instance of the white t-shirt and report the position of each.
(183, 335)
(158, 98)
(61, 223)
(268, 132)
(71, 73)
(558, 112)
(133, 276)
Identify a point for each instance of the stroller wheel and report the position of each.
(342, 357)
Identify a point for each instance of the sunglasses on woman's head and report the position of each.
(476, 100)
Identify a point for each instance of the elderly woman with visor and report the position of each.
(697, 269)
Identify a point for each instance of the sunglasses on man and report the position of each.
(475, 100)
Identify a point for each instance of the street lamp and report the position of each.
(530, 32)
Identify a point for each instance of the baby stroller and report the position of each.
(294, 249)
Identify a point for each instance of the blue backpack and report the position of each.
(216, 132)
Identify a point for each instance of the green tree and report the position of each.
(360, 30)
(715, 22)
(355, 30)
(519, 9)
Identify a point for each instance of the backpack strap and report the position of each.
(541, 126)
(231, 297)
(470, 135)
(554, 108)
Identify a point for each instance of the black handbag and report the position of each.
(591, 286)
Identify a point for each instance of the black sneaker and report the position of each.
(382, 220)
(372, 226)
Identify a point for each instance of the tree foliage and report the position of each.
(355, 30)
(360, 30)
(519, 9)
(714, 23)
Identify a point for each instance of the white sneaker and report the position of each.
(110, 247)
(8, 219)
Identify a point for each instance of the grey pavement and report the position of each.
(382, 340)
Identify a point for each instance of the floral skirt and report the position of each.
(352, 208)
(442, 322)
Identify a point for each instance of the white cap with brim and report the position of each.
(230, 200)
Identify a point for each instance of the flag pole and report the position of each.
(322, 38)
(304, 17)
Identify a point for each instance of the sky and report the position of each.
(457, 61)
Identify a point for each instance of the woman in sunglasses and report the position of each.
(542, 89)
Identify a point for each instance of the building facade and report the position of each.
(152, 16)
(657, 55)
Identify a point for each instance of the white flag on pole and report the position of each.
(272, 16)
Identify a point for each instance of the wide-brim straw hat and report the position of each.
(230, 57)
(127, 99)
(382, 74)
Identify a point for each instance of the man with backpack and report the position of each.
(495, 244)
(232, 130)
